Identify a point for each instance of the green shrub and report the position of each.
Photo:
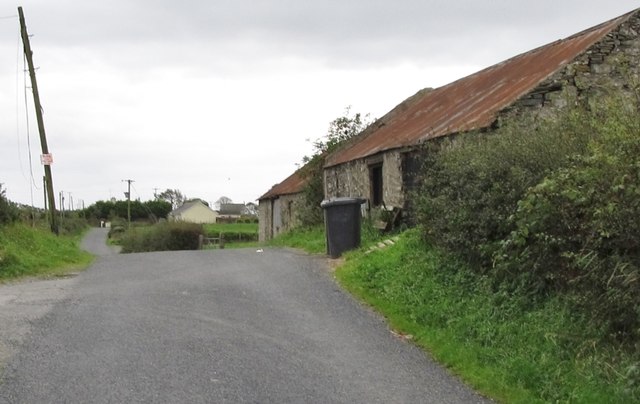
(72, 225)
(168, 236)
(8, 211)
(473, 182)
(578, 231)
(8, 263)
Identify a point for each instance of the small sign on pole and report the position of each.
(46, 159)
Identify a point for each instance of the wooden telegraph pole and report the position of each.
(43, 139)
(128, 201)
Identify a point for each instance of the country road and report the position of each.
(213, 326)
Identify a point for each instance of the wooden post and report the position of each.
(43, 138)
(221, 241)
(200, 241)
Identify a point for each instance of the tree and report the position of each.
(251, 209)
(159, 209)
(340, 131)
(173, 196)
(222, 200)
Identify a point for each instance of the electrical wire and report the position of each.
(18, 107)
(33, 182)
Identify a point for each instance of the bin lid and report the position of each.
(342, 201)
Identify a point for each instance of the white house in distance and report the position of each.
(194, 212)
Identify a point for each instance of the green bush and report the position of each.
(578, 231)
(168, 236)
(8, 263)
(8, 211)
(473, 182)
(73, 225)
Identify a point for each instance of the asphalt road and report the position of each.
(216, 326)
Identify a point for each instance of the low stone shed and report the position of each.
(277, 208)
(382, 163)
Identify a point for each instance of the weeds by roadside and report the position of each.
(511, 351)
(29, 251)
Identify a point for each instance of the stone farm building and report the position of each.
(277, 207)
(194, 212)
(381, 163)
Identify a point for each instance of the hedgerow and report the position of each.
(547, 207)
(167, 236)
(577, 232)
(472, 182)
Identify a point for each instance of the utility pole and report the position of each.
(44, 189)
(43, 139)
(128, 194)
(61, 194)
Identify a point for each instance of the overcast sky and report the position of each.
(221, 97)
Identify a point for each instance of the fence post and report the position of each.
(221, 240)
(200, 241)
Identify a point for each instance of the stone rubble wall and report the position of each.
(352, 179)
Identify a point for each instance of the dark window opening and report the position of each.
(376, 184)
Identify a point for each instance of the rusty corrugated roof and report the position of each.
(291, 185)
(472, 102)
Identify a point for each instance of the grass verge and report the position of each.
(503, 346)
(27, 251)
(309, 239)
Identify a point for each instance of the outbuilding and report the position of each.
(278, 208)
(383, 163)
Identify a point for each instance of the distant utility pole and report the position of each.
(61, 195)
(43, 138)
(128, 195)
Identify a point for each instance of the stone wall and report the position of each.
(289, 212)
(272, 222)
(352, 179)
(611, 66)
(265, 217)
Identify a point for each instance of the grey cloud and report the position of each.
(221, 34)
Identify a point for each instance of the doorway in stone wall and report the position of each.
(375, 182)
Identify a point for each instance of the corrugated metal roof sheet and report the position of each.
(291, 185)
(472, 102)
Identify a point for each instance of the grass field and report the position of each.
(236, 235)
